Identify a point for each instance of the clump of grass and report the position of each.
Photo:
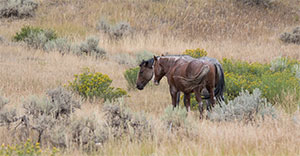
(246, 107)
(292, 37)
(17, 8)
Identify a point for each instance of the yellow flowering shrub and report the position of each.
(94, 84)
(195, 53)
(26, 149)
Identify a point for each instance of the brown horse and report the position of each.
(187, 75)
(146, 73)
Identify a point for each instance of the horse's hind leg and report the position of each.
(212, 100)
(199, 100)
(177, 99)
(187, 103)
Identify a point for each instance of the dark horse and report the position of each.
(146, 74)
(187, 75)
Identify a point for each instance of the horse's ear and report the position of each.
(162, 55)
(155, 58)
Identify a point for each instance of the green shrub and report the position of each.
(245, 107)
(35, 37)
(93, 84)
(195, 53)
(272, 79)
(131, 77)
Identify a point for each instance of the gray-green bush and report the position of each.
(246, 107)
(121, 120)
(124, 59)
(176, 120)
(60, 44)
(17, 8)
(291, 37)
(90, 47)
(117, 31)
(2, 39)
(35, 37)
(7, 116)
(263, 3)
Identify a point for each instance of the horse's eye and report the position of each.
(141, 72)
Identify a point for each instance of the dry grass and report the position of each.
(223, 29)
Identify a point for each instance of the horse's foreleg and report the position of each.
(187, 102)
(174, 94)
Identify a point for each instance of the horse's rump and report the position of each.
(195, 73)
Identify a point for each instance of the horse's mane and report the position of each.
(149, 62)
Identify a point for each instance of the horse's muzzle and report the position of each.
(139, 87)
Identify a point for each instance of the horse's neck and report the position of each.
(168, 63)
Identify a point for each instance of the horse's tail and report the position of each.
(219, 90)
(194, 82)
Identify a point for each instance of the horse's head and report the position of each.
(159, 72)
(145, 74)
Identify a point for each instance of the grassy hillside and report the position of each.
(225, 29)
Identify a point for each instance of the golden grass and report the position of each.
(250, 36)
